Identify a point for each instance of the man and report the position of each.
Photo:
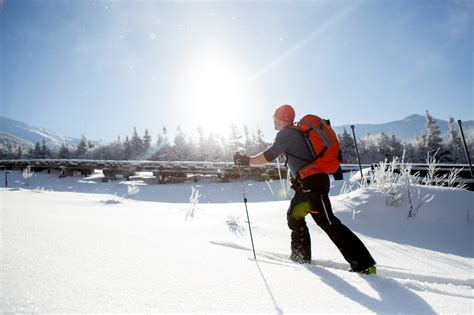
(311, 196)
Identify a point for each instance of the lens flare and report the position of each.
(300, 210)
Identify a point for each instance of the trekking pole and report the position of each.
(357, 151)
(246, 210)
(465, 147)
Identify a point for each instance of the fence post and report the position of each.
(6, 178)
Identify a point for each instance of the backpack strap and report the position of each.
(297, 157)
(321, 131)
(314, 155)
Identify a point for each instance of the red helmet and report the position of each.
(285, 113)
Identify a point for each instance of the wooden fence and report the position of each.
(176, 172)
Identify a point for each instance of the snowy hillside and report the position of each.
(79, 245)
(27, 134)
(406, 129)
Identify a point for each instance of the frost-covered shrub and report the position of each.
(447, 180)
(234, 222)
(452, 180)
(193, 201)
(352, 185)
(396, 178)
(386, 178)
(132, 190)
(27, 174)
(416, 200)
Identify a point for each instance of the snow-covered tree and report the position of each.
(201, 149)
(146, 142)
(83, 148)
(180, 150)
(136, 145)
(396, 147)
(19, 153)
(260, 143)
(369, 149)
(162, 147)
(45, 151)
(64, 151)
(348, 150)
(248, 143)
(235, 139)
(127, 149)
(214, 151)
(37, 151)
(434, 142)
(111, 151)
(454, 143)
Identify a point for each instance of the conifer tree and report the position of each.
(83, 148)
(260, 144)
(434, 142)
(19, 153)
(214, 150)
(179, 150)
(347, 148)
(37, 151)
(455, 145)
(383, 146)
(127, 149)
(45, 152)
(201, 151)
(235, 139)
(64, 151)
(146, 142)
(136, 145)
(248, 145)
(396, 147)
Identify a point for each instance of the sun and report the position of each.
(215, 92)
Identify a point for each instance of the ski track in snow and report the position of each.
(384, 271)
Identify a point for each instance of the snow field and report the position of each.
(93, 251)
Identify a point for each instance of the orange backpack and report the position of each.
(323, 144)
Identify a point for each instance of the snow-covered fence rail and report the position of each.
(179, 171)
(164, 171)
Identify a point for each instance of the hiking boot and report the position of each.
(368, 271)
(300, 259)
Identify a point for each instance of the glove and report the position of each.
(241, 159)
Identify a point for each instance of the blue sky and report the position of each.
(99, 68)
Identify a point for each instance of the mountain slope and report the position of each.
(405, 129)
(20, 133)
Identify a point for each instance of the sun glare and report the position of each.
(215, 92)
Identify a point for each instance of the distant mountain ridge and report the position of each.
(18, 133)
(406, 129)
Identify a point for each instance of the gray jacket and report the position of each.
(292, 144)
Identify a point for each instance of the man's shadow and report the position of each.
(393, 296)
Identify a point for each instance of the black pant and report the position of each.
(313, 197)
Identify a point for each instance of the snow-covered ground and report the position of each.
(77, 245)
